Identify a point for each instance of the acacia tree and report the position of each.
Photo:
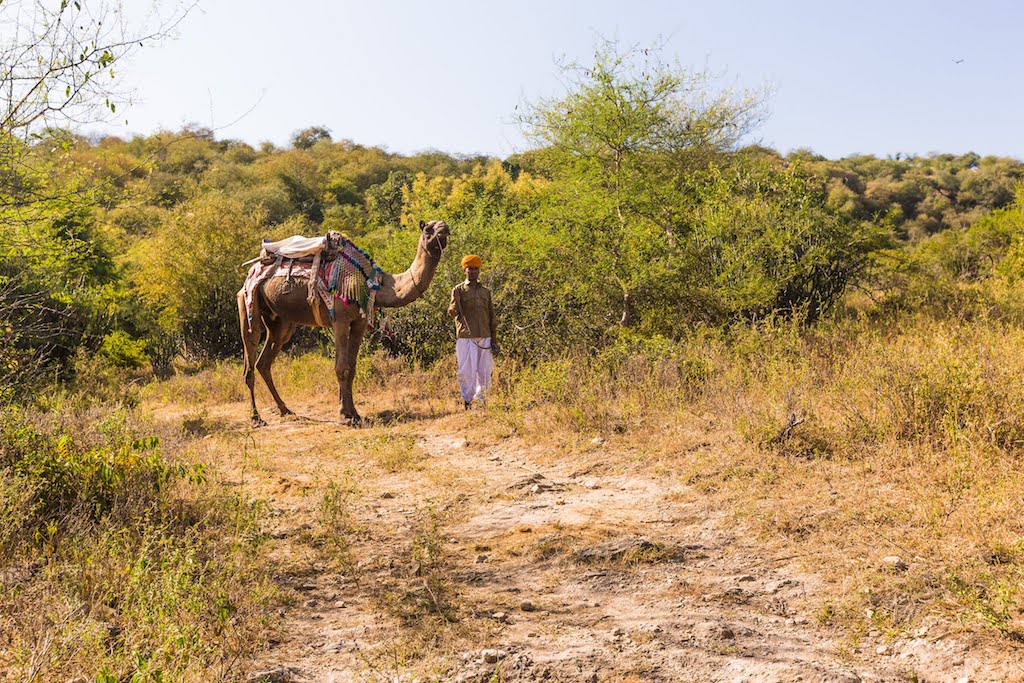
(620, 144)
(307, 137)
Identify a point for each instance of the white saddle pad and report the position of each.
(295, 246)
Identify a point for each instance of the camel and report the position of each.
(282, 306)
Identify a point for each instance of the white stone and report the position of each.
(894, 563)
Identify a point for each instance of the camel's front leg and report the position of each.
(355, 340)
(344, 368)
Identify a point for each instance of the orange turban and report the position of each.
(471, 261)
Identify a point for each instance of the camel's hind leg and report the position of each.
(278, 334)
(250, 342)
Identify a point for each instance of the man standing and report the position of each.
(476, 332)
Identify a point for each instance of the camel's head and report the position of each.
(434, 237)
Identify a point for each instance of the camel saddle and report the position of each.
(355, 278)
(297, 248)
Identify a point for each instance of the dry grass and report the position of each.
(838, 446)
(845, 444)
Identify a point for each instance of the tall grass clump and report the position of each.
(628, 381)
(119, 560)
(943, 382)
(899, 437)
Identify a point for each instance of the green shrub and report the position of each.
(121, 351)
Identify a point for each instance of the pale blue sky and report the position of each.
(847, 77)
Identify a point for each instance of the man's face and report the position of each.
(472, 273)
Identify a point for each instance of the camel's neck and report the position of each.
(404, 288)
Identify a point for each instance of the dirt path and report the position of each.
(444, 551)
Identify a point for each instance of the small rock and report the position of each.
(309, 603)
(597, 441)
(882, 650)
(459, 443)
(535, 488)
(964, 679)
(618, 632)
(591, 484)
(744, 578)
(528, 606)
(894, 563)
(283, 674)
(341, 604)
(499, 616)
(480, 559)
(491, 655)
(387, 495)
(590, 677)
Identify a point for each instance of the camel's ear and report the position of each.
(422, 225)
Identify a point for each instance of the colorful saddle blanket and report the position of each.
(352, 277)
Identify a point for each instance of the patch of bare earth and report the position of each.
(545, 565)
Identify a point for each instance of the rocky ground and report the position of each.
(437, 547)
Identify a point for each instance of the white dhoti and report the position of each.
(475, 366)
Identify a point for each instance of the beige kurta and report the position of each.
(476, 318)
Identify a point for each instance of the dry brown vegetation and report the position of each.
(824, 451)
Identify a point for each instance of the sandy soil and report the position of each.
(553, 565)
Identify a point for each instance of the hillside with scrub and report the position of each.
(758, 415)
